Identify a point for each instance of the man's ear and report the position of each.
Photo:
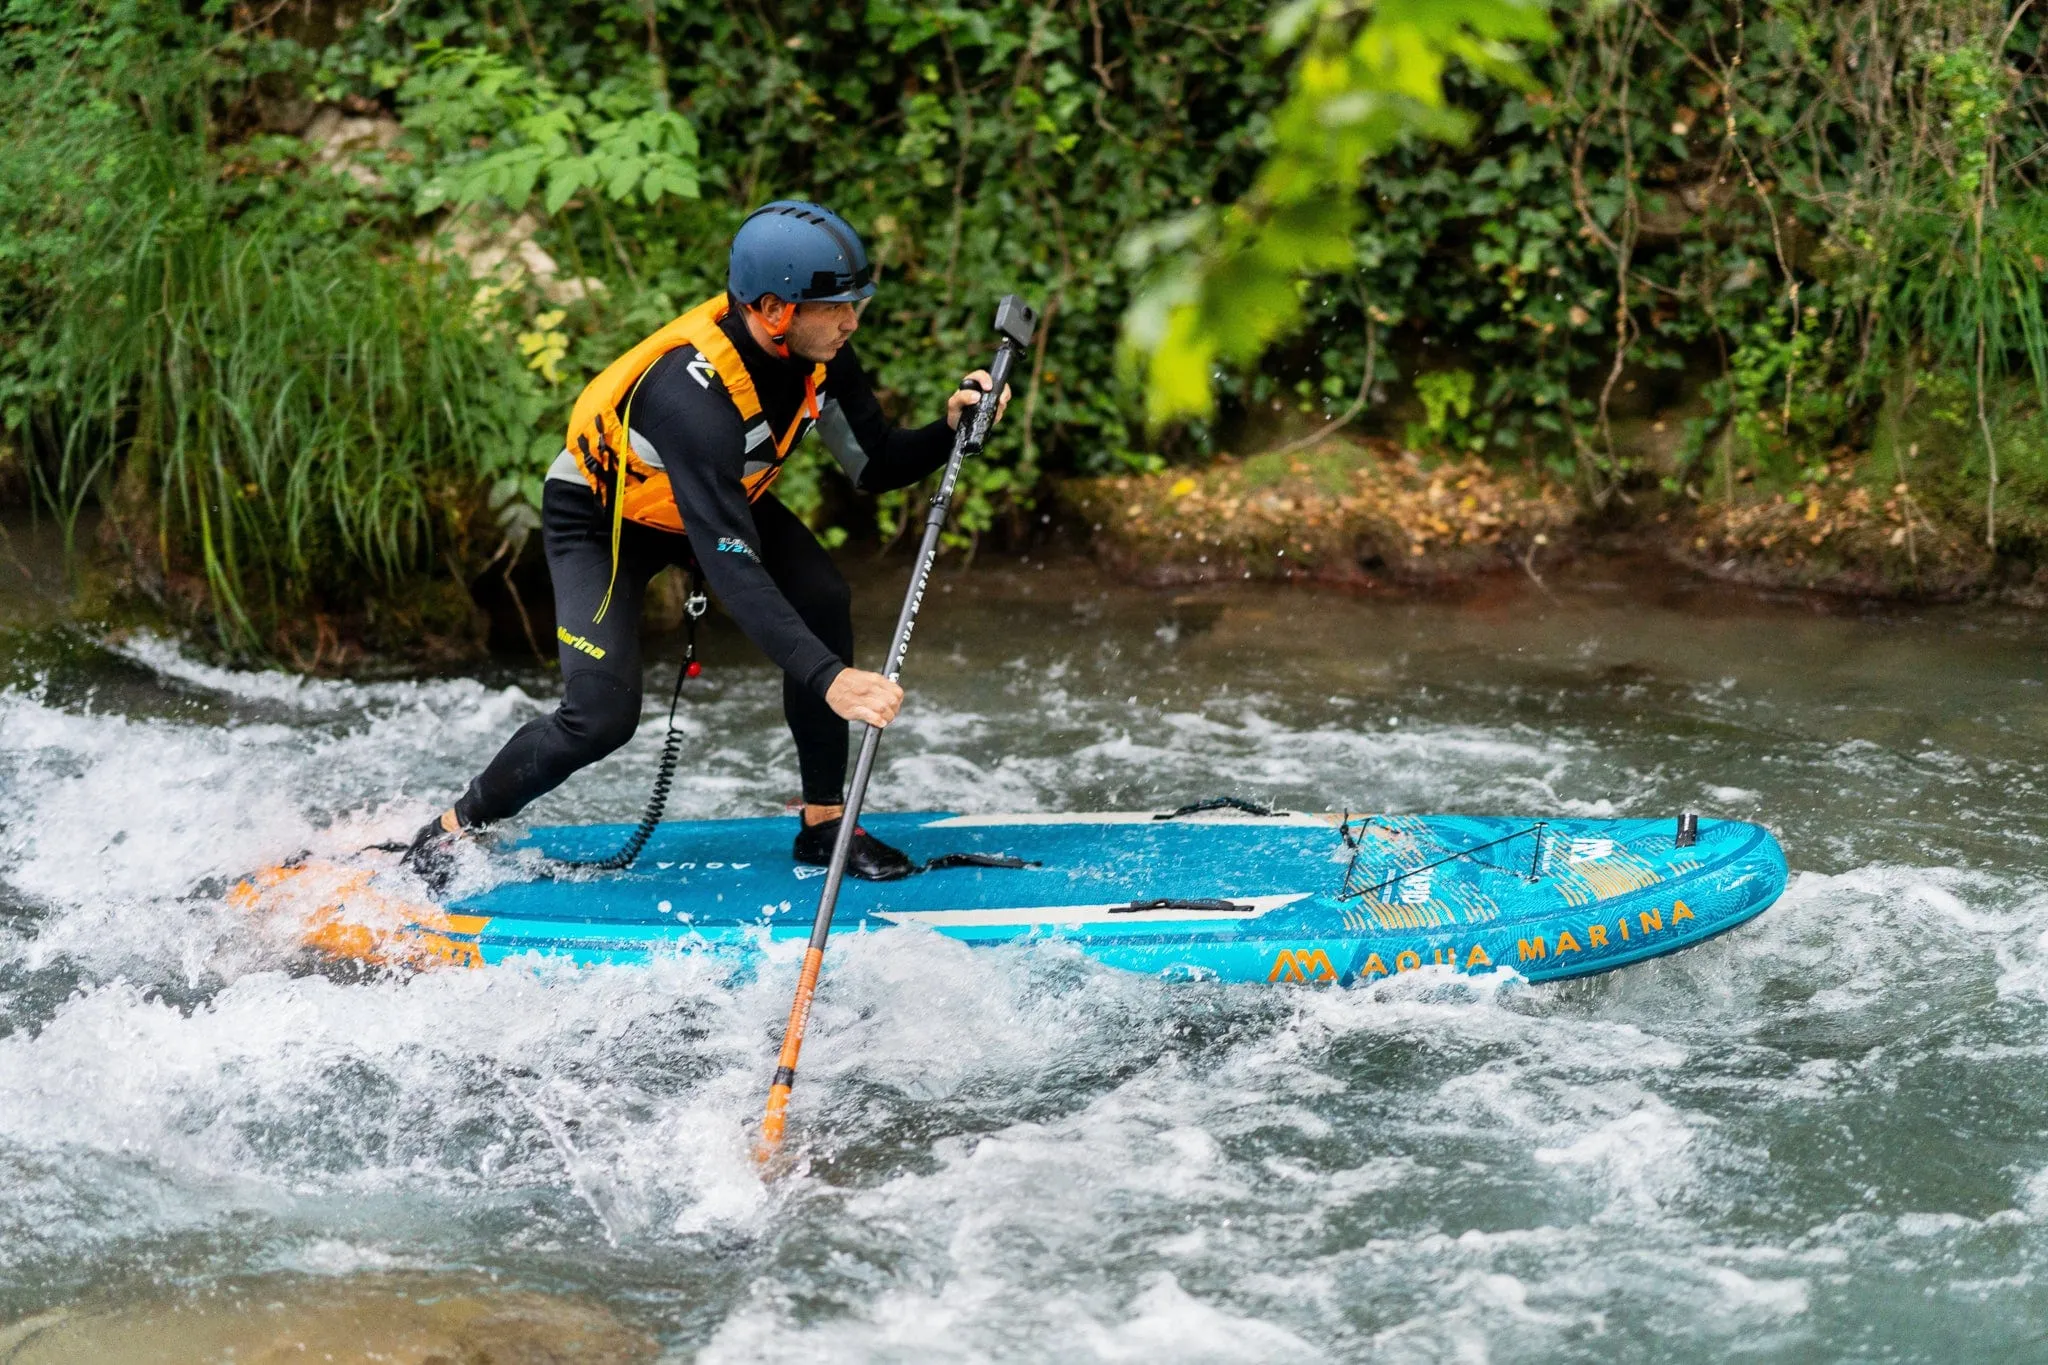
(777, 314)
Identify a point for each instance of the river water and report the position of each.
(1823, 1136)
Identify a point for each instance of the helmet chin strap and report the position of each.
(777, 341)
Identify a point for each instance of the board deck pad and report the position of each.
(1216, 895)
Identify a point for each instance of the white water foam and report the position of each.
(1000, 1154)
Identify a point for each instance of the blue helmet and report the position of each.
(799, 252)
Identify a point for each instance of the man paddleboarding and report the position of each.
(671, 455)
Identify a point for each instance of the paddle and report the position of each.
(1015, 323)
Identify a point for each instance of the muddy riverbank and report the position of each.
(1372, 513)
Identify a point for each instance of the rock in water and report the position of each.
(405, 1319)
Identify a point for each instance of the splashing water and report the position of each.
(1823, 1135)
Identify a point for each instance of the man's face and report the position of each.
(819, 329)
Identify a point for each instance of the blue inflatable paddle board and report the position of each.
(1217, 895)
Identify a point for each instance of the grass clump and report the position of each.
(281, 415)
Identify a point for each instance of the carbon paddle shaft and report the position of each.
(1016, 324)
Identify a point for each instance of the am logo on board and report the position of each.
(1310, 964)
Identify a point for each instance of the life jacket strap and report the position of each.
(809, 409)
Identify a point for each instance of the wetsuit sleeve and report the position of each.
(876, 455)
(697, 433)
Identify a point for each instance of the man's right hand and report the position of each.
(859, 695)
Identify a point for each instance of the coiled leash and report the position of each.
(695, 603)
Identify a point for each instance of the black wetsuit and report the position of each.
(767, 569)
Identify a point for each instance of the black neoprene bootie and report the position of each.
(431, 855)
(869, 859)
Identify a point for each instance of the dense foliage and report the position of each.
(316, 359)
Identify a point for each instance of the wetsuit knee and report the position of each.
(599, 713)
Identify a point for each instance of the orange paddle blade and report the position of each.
(776, 1116)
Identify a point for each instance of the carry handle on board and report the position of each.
(1016, 323)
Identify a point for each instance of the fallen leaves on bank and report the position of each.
(1344, 511)
(1838, 533)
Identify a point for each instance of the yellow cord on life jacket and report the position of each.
(619, 500)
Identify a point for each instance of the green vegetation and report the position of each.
(274, 409)
(1370, 79)
(301, 294)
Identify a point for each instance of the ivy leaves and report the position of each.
(1224, 285)
(533, 134)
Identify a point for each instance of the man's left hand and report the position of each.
(963, 401)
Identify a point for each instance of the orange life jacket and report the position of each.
(599, 426)
(603, 415)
